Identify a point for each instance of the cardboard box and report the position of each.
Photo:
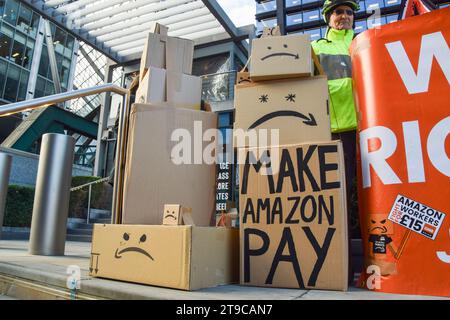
(181, 257)
(154, 54)
(281, 57)
(184, 91)
(152, 179)
(293, 223)
(176, 215)
(243, 77)
(297, 108)
(152, 88)
(179, 55)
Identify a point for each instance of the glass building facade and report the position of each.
(303, 16)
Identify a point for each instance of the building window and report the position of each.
(360, 26)
(44, 63)
(311, 15)
(3, 67)
(28, 57)
(295, 18)
(5, 45)
(18, 49)
(24, 21)
(266, 6)
(22, 94)
(12, 83)
(292, 3)
(268, 23)
(11, 11)
(390, 3)
(314, 33)
(391, 18)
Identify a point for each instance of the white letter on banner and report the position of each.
(413, 151)
(432, 45)
(436, 146)
(378, 158)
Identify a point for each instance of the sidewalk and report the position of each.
(39, 277)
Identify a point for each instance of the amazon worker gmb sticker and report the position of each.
(416, 216)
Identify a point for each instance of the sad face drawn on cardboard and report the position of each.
(132, 244)
(272, 52)
(379, 224)
(289, 98)
(243, 77)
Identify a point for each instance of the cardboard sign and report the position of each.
(416, 216)
(271, 32)
(181, 257)
(154, 54)
(224, 186)
(294, 223)
(176, 215)
(179, 55)
(153, 179)
(281, 57)
(404, 165)
(297, 108)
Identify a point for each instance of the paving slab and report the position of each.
(51, 272)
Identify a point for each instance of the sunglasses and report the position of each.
(349, 12)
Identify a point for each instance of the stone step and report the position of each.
(79, 231)
(78, 238)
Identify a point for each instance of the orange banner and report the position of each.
(401, 75)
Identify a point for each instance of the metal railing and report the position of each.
(90, 184)
(32, 104)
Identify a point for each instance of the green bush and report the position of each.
(100, 197)
(19, 206)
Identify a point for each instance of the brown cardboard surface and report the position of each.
(181, 257)
(298, 108)
(152, 88)
(281, 57)
(183, 90)
(179, 55)
(154, 54)
(243, 77)
(293, 230)
(271, 31)
(152, 179)
(175, 214)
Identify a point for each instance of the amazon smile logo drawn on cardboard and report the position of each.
(293, 222)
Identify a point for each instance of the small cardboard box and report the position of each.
(154, 176)
(180, 257)
(183, 90)
(298, 108)
(179, 55)
(152, 88)
(281, 57)
(154, 54)
(293, 221)
(243, 77)
(176, 215)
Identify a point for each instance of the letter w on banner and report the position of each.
(401, 74)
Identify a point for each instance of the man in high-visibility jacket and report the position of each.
(333, 53)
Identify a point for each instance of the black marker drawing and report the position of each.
(94, 256)
(311, 121)
(118, 253)
(264, 98)
(296, 56)
(290, 97)
(241, 79)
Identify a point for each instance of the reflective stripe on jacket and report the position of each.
(333, 53)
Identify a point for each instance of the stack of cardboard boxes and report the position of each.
(293, 218)
(171, 246)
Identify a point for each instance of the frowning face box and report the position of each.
(281, 57)
(297, 108)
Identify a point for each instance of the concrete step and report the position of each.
(99, 214)
(78, 238)
(80, 231)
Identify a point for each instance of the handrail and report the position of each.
(27, 105)
(89, 184)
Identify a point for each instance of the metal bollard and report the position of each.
(51, 200)
(5, 170)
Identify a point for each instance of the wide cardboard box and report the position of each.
(293, 217)
(183, 90)
(281, 57)
(298, 108)
(181, 257)
(152, 87)
(156, 173)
